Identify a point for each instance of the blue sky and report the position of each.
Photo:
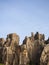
(23, 17)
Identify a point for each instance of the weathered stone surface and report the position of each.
(30, 52)
(44, 60)
(34, 48)
(1, 48)
(39, 36)
(10, 52)
(1, 42)
(47, 41)
(12, 39)
(23, 58)
(10, 56)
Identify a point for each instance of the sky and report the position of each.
(23, 17)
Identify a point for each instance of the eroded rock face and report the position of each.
(12, 39)
(47, 41)
(10, 52)
(44, 60)
(39, 36)
(8, 56)
(34, 49)
(23, 58)
(1, 48)
(2, 41)
(36, 52)
(11, 57)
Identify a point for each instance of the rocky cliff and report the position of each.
(34, 50)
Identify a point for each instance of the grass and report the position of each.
(1, 64)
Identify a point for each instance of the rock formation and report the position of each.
(34, 50)
(1, 48)
(24, 59)
(44, 60)
(39, 36)
(12, 39)
(10, 54)
(34, 47)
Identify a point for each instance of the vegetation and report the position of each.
(31, 63)
(1, 64)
